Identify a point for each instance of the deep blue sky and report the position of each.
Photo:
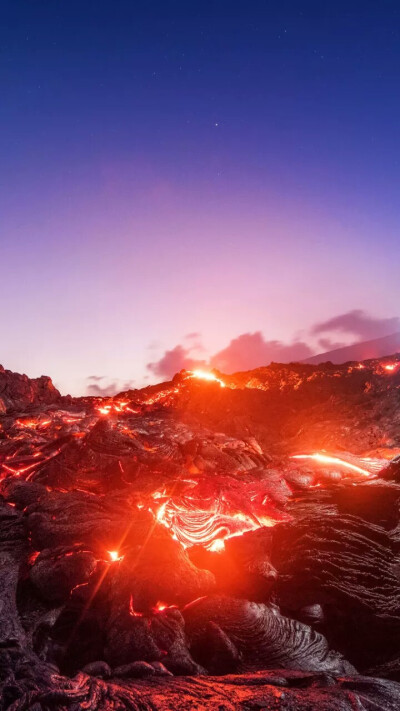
(168, 167)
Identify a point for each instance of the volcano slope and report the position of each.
(214, 542)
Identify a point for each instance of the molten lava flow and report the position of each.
(104, 410)
(115, 407)
(198, 521)
(32, 424)
(336, 461)
(206, 375)
(217, 545)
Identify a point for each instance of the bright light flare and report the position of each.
(160, 606)
(115, 556)
(336, 461)
(390, 367)
(104, 410)
(206, 375)
(217, 546)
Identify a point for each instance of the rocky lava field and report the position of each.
(214, 542)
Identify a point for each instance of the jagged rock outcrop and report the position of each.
(18, 391)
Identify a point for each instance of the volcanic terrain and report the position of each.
(213, 542)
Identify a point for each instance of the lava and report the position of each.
(115, 407)
(192, 523)
(132, 611)
(134, 471)
(390, 367)
(217, 545)
(161, 606)
(206, 375)
(336, 461)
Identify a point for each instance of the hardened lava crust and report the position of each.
(213, 542)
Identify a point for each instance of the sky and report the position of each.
(195, 179)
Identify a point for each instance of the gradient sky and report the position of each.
(174, 167)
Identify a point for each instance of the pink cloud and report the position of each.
(251, 350)
(96, 388)
(359, 323)
(173, 361)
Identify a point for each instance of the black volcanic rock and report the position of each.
(18, 391)
(165, 548)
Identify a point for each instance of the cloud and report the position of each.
(328, 345)
(173, 361)
(251, 350)
(360, 324)
(95, 389)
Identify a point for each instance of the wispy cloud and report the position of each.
(100, 386)
(360, 324)
(252, 350)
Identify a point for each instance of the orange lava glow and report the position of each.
(132, 610)
(32, 424)
(104, 410)
(206, 375)
(336, 461)
(390, 367)
(115, 406)
(193, 524)
(160, 606)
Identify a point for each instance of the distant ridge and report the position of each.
(377, 348)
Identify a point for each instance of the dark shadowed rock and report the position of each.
(18, 391)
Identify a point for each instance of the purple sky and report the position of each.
(170, 168)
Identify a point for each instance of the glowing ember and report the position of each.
(162, 606)
(104, 410)
(32, 424)
(206, 375)
(390, 367)
(114, 556)
(336, 461)
(115, 406)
